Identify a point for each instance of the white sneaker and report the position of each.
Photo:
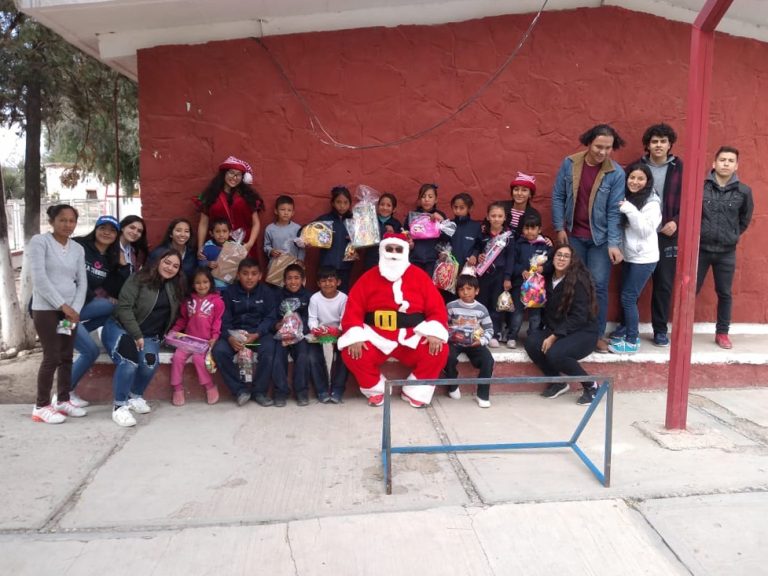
(47, 414)
(123, 417)
(483, 403)
(139, 405)
(69, 409)
(77, 401)
(510, 344)
(455, 394)
(493, 343)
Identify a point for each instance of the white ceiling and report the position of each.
(113, 30)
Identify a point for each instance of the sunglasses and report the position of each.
(394, 249)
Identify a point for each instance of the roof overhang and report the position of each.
(114, 30)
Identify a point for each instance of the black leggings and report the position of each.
(564, 355)
(57, 357)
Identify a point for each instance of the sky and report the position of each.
(11, 147)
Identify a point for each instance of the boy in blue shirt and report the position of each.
(219, 233)
(293, 289)
(251, 307)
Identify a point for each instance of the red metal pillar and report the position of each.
(697, 118)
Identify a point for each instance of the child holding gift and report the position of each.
(492, 280)
(280, 235)
(200, 316)
(470, 330)
(423, 253)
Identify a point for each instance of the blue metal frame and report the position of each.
(605, 389)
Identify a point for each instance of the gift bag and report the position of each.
(316, 235)
(505, 303)
(229, 259)
(291, 330)
(446, 270)
(422, 227)
(533, 292)
(276, 268)
(364, 229)
(492, 251)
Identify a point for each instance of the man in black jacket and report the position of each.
(725, 215)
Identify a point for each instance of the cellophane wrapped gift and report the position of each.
(350, 252)
(316, 235)
(422, 227)
(292, 329)
(229, 259)
(210, 362)
(324, 335)
(365, 221)
(446, 270)
(533, 292)
(465, 331)
(505, 303)
(187, 343)
(276, 268)
(492, 250)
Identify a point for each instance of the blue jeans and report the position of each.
(93, 316)
(224, 355)
(599, 264)
(634, 277)
(131, 377)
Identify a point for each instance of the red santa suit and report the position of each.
(372, 307)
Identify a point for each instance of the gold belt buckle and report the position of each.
(385, 320)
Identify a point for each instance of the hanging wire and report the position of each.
(327, 138)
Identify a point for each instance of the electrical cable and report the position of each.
(327, 138)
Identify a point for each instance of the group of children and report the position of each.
(246, 313)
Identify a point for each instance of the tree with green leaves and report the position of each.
(88, 109)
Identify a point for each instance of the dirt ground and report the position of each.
(18, 378)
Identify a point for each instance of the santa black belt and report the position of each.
(393, 320)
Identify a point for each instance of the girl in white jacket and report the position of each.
(641, 217)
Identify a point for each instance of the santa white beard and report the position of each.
(393, 265)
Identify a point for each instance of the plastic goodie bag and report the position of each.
(465, 331)
(231, 254)
(364, 229)
(350, 252)
(492, 250)
(533, 292)
(291, 330)
(505, 303)
(245, 357)
(326, 336)
(316, 235)
(446, 270)
(422, 227)
(187, 343)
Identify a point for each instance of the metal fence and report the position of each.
(89, 211)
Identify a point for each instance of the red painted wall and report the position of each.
(199, 104)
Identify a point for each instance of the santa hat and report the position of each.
(396, 239)
(233, 163)
(526, 180)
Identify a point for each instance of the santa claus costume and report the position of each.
(392, 309)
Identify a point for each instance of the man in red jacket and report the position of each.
(394, 310)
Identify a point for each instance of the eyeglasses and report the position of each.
(563, 256)
(234, 173)
(395, 249)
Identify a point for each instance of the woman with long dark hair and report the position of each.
(178, 236)
(229, 196)
(134, 249)
(102, 260)
(59, 284)
(147, 308)
(569, 332)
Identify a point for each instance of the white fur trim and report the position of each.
(365, 333)
(432, 328)
(411, 341)
(247, 178)
(376, 389)
(395, 242)
(397, 291)
(420, 393)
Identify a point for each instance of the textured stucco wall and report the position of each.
(199, 104)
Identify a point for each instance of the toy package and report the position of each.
(446, 270)
(505, 303)
(422, 227)
(316, 235)
(292, 329)
(364, 230)
(492, 251)
(229, 259)
(533, 292)
(186, 342)
(465, 331)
